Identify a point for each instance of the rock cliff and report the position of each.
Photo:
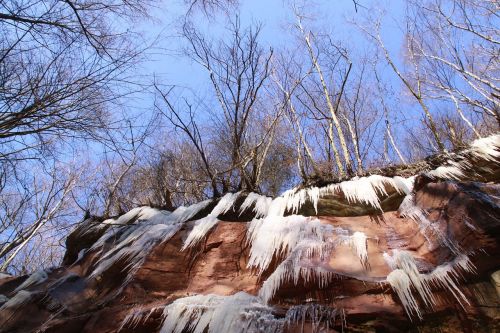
(370, 254)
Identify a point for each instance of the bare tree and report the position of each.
(43, 199)
(238, 70)
(63, 65)
(459, 54)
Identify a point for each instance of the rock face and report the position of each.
(374, 254)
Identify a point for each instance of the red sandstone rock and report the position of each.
(70, 300)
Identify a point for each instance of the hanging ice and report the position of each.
(404, 260)
(400, 282)
(277, 236)
(451, 171)
(446, 276)
(358, 242)
(238, 313)
(321, 317)
(34, 279)
(134, 242)
(204, 225)
(200, 229)
(409, 209)
(261, 204)
(406, 275)
(486, 148)
(21, 298)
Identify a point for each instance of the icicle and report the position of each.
(358, 242)
(406, 274)
(447, 172)
(200, 229)
(134, 242)
(261, 204)
(277, 207)
(204, 225)
(134, 246)
(21, 298)
(409, 209)
(225, 203)
(294, 200)
(404, 185)
(405, 261)
(237, 313)
(321, 317)
(279, 235)
(137, 316)
(297, 264)
(360, 191)
(34, 279)
(401, 283)
(447, 276)
(313, 194)
(379, 182)
(183, 214)
(291, 270)
(486, 148)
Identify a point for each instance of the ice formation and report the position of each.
(404, 260)
(300, 240)
(321, 317)
(405, 276)
(237, 313)
(364, 190)
(446, 276)
(400, 282)
(408, 208)
(291, 269)
(304, 262)
(358, 242)
(483, 149)
(22, 297)
(486, 148)
(360, 190)
(135, 241)
(204, 225)
(200, 230)
(261, 204)
(34, 279)
(368, 190)
(137, 316)
(277, 236)
(404, 185)
(447, 172)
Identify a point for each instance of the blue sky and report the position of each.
(275, 15)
